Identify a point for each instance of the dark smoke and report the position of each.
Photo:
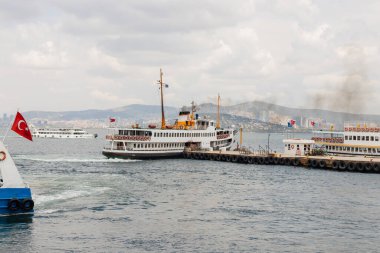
(351, 95)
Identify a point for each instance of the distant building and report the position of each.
(264, 116)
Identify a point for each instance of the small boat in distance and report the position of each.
(62, 133)
(15, 195)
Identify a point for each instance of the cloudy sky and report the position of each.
(74, 55)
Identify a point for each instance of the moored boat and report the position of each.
(188, 131)
(356, 139)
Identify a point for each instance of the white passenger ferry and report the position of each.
(189, 131)
(62, 133)
(356, 139)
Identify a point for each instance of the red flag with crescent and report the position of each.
(21, 127)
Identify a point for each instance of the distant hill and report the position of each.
(132, 112)
(255, 115)
(256, 109)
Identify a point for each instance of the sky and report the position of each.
(75, 55)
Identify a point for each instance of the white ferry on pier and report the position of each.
(62, 133)
(189, 131)
(356, 139)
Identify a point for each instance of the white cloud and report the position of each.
(47, 56)
(107, 53)
(108, 97)
(320, 35)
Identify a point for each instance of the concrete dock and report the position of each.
(362, 164)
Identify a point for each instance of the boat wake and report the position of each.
(69, 194)
(74, 160)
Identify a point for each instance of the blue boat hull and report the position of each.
(16, 201)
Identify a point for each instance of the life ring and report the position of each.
(181, 127)
(292, 146)
(13, 204)
(27, 204)
(3, 155)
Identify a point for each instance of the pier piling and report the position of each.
(337, 163)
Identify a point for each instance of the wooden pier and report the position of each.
(339, 163)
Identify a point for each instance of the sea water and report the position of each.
(87, 203)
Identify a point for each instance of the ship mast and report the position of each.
(163, 125)
(218, 114)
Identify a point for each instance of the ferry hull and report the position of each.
(142, 156)
(20, 197)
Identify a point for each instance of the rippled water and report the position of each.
(86, 203)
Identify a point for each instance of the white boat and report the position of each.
(15, 195)
(148, 143)
(189, 131)
(356, 139)
(62, 133)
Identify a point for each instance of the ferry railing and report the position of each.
(245, 150)
(262, 151)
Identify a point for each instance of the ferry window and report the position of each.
(354, 138)
(134, 145)
(367, 138)
(356, 149)
(378, 150)
(298, 147)
(288, 146)
(155, 134)
(376, 138)
(350, 137)
(346, 137)
(372, 138)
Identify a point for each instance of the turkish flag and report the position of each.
(21, 127)
(112, 120)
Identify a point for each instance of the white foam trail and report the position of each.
(75, 160)
(69, 194)
(48, 211)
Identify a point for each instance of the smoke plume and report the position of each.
(350, 95)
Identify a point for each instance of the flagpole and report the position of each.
(9, 127)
